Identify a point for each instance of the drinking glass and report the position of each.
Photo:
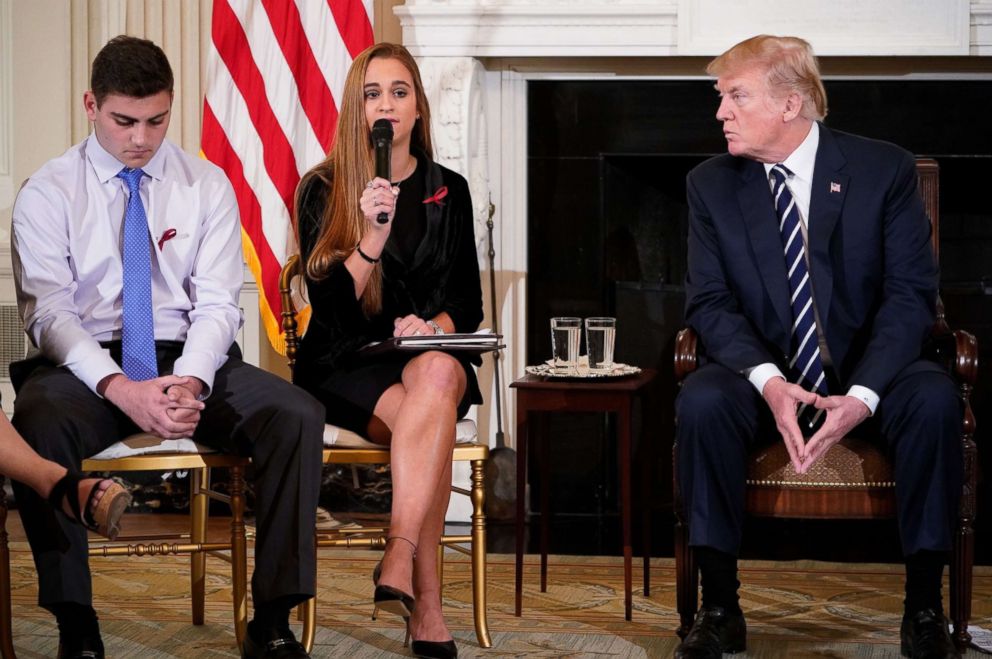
(601, 336)
(565, 336)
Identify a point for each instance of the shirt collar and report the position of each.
(107, 166)
(801, 161)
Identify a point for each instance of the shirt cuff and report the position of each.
(199, 365)
(865, 395)
(761, 374)
(92, 367)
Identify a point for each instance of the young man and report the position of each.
(128, 264)
(812, 286)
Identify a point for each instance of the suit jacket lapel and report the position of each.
(754, 196)
(830, 186)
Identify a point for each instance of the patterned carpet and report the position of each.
(795, 609)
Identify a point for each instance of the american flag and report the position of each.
(275, 71)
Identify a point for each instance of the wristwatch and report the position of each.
(434, 326)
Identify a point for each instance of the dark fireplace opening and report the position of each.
(607, 224)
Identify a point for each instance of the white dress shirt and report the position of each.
(66, 242)
(801, 163)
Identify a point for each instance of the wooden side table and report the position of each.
(535, 394)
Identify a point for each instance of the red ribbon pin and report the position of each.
(436, 198)
(168, 234)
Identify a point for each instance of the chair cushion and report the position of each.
(465, 433)
(144, 444)
(849, 464)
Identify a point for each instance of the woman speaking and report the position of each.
(384, 258)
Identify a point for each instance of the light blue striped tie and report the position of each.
(805, 365)
(137, 320)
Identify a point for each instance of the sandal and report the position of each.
(105, 518)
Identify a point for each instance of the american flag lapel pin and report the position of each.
(834, 187)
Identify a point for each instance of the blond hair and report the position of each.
(350, 164)
(790, 66)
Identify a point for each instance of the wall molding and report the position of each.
(981, 27)
(6, 111)
(637, 28)
(511, 28)
(843, 27)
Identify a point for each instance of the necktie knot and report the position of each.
(132, 177)
(779, 173)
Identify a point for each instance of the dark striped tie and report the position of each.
(805, 365)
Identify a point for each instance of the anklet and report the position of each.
(409, 542)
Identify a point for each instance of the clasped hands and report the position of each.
(166, 406)
(843, 414)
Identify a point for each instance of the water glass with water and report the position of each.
(601, 336)
(565, 336)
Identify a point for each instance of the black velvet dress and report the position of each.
(429, 266)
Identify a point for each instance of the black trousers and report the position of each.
(249, 412)
(720, 415)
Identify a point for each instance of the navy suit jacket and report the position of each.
(871, 262)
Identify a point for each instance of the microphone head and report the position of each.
(382, 131)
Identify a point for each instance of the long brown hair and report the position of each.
(350, 164)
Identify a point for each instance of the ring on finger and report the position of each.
(369, 185)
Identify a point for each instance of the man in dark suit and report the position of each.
(812, 287)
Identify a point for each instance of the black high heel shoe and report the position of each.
(429, 649)
(389, 599)
(435, 649)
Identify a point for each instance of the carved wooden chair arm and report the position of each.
(956, 350)
(965, 356)
(290, 271)
(685, 353)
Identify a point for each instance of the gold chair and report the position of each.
(853, 480)
(143, 452)
(345, 447)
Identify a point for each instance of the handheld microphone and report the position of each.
(382, 138)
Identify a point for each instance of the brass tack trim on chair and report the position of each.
(845, 486)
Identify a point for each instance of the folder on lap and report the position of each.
(478, 342)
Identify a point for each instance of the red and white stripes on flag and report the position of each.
(275, 71)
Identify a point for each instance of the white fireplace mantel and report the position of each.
(639, 28)
(517, 28)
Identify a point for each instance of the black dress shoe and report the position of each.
(271, 643)
(924, 635)
(714, 631)
(80, 647)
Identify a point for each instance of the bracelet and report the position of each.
(434, 326)
(369, 259)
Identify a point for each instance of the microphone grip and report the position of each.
(383, 157)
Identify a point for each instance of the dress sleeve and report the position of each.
(463, 299)
(338, 325)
